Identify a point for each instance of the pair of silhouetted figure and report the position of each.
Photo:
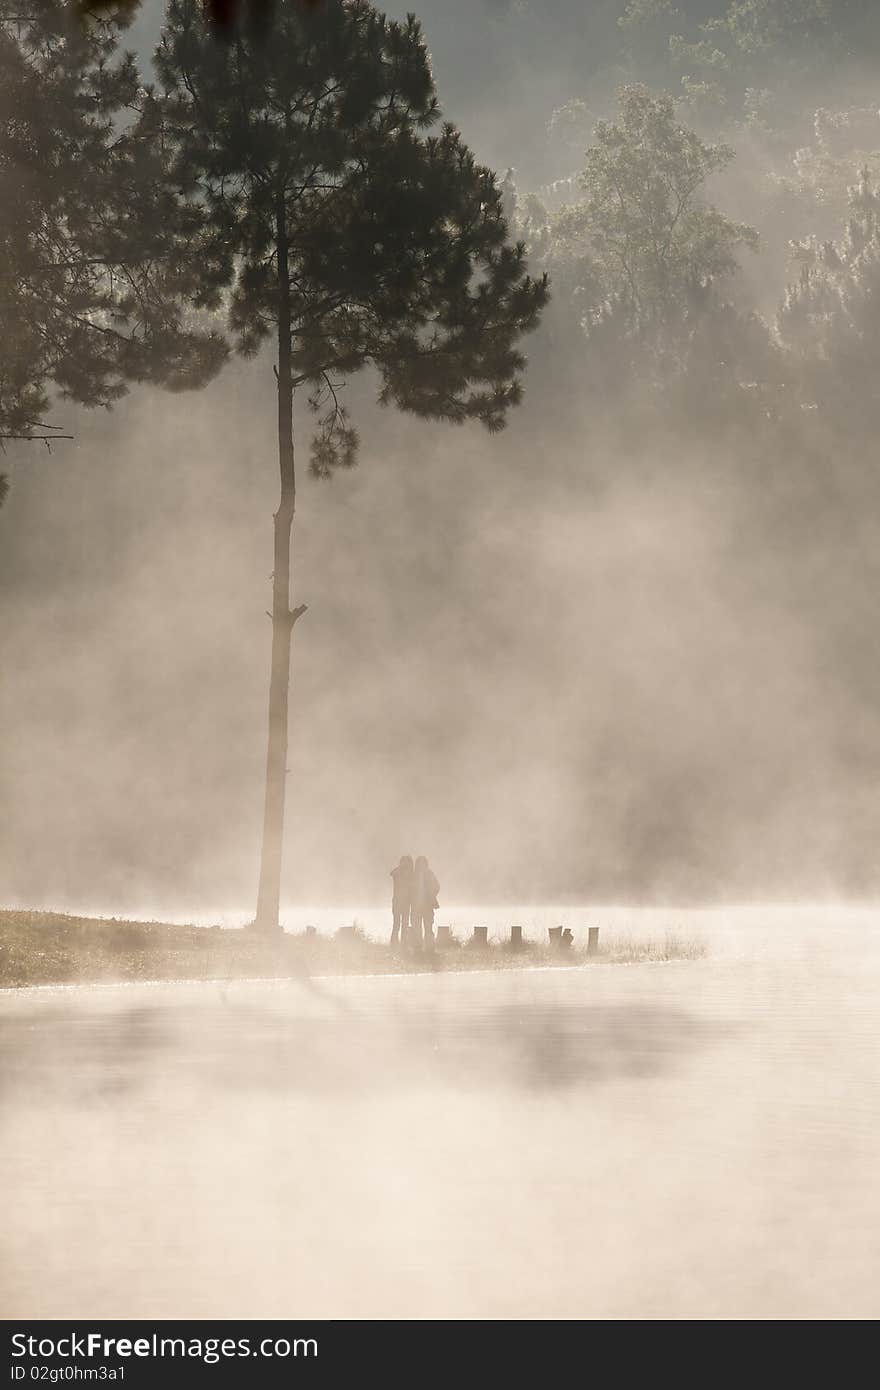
(413, 901)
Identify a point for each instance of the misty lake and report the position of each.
(696, 1139)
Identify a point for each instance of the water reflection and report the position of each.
(236, 1044)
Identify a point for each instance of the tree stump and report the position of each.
(516, 940)
(444, 936)
(593, 941)
(555, 934)
(480, 937)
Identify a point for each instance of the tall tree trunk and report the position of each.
(283, 618)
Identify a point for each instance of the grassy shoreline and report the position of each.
(45, 948)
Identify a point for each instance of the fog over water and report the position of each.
(692, 1140)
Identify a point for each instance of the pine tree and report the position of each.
(357, 231)
(95, 240)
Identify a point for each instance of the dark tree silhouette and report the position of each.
(353, 236)
(95, 241)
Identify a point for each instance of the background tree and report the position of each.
(644, 260)
(719, 51)
(829, 321)
(353, 237)
(95, 241)
(654, 241)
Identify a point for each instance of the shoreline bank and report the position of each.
(46, 948)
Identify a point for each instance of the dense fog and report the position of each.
(578, 660)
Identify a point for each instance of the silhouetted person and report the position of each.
(424, 900)
(401, 899)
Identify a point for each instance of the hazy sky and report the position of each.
(558, 670)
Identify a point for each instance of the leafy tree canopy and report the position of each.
(643, 265)
(721, 51)
(829, 321)
(653, 244)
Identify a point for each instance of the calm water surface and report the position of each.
(698, 1139)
